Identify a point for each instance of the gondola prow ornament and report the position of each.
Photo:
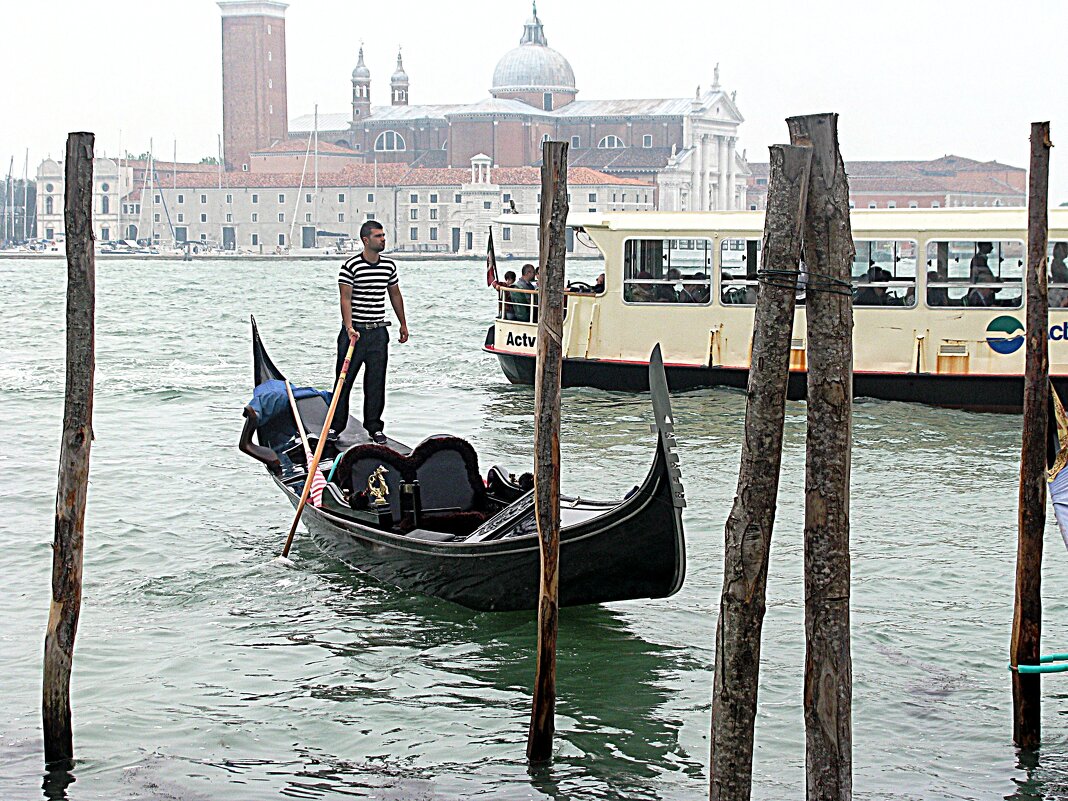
(380, 492)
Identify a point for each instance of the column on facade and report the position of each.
(732, 191)
(721, 171)
(706, 173)
(697, 179)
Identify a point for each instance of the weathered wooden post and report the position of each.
(828, 255)
(747, 537)
(74, 453)
(547, 439)
(1027, 617)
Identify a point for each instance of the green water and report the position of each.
(203, 670)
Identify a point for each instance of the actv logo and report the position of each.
(1005, 334)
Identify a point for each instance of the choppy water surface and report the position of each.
(205, 671)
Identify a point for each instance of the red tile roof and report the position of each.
(390, 175)
(171, 166)
(945, 175)
(301, 146)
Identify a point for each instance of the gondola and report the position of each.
(425, 520)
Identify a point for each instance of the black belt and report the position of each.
(370, 326)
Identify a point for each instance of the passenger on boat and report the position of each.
(696, 291)
(936, 295)
(1058, 272)
(598, 287)
(979, 260)
(505, 309)
(522, 304)
(1058, 263)
(982, 295)
(667, 293)
(642, 293)
(875, 294)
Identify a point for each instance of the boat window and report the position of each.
(884, 272)
(667, 271)
(1058, 275)
(739, 260)
(979, 273)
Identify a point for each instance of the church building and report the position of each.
(685, 147)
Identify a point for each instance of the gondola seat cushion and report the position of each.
(445, 466)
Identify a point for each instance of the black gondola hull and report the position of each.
(634, 550)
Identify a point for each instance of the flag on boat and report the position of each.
(318, 485)
(491, 262)
(1057, 460)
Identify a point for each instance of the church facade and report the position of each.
(685, 147)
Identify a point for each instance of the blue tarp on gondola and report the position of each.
(269, 399)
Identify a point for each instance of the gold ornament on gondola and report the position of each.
(379, 491)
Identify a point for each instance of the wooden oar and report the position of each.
(321, 444)
(299, 422)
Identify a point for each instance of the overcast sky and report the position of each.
(910, 79)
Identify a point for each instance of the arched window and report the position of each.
(610, 142)
(48, 205)
(389, 140)
(105, 205)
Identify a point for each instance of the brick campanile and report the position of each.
(255, 113)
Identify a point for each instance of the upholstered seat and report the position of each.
(446, 468)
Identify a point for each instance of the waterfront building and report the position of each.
(423, 209)
(118, 184)
(950, 181)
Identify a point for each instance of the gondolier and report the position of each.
(363, 283)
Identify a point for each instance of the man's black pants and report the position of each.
(371, 353)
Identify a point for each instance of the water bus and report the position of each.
(938, 297)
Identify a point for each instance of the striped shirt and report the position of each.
(368, 282)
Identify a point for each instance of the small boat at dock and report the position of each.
(425, 519)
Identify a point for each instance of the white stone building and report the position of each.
(424, 210)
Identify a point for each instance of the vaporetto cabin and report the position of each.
(938, 297)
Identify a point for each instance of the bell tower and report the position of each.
(399, 83)
(255, 112)
(361, 90)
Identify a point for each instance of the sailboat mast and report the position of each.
(152, 191)
(25, 194)
(8, 226)
(315, 197)
(122, 194)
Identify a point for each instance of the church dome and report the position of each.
(533, 66)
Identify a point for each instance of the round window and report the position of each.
(104, 187)
(49, 187)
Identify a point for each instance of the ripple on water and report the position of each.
(205, 669)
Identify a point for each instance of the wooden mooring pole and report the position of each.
(74, 453)
(1027, 616)
(828, 255)
(747, 536)
(547, 439)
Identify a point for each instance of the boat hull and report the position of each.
(990, 393)
(634, 550)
